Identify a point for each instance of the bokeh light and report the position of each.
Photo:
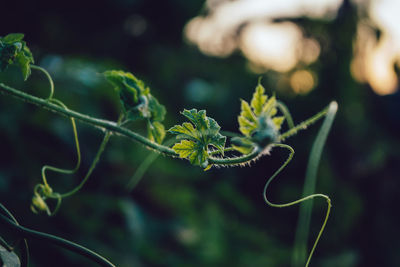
(262, 32)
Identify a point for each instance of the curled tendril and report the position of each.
(43, 191)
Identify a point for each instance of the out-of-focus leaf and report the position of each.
(13, 50)
(8, 258)
(138, 103)
(12, 38)
(156, 131)
(242, 144)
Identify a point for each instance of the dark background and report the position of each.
(179, 215)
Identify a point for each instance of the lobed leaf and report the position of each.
(257, 121)
(258, 100)
(198, 134)
(186, 130)
(192, 151)
(247, 119)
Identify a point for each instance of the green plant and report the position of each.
(199, 141)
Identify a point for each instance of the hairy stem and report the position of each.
(114, 127)
(102, 124)
(238, 160)
(303, 125)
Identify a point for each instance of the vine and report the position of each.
(200, 140)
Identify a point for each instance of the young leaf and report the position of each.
(247, 119)
(258, 100)
(138, 103)
(192, 151)
(13, 37)
(13, 50)
(127, 85)
(278, 121)
(257, 122)
(201, 133)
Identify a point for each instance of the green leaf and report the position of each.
(207, 129)
(13, 50)
(200, 133)
(247, 119)
(8, 53)
(8, 258)
(186, 130)
(12, 38)
(270, 107)
(192, 151)
(136, 99)
(258, 100)
(156, 131)
(278, 121)
(127, 85)
(157, 111)
(24, 64)
(257, 121)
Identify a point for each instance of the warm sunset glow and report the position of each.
(374, 61)
(302, 81)
(248, 26)
(271, 46)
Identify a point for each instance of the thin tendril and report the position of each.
(94, 162)
(299, 200)
(78, 152)
(48, 77)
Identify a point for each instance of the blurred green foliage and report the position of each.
(179, 215)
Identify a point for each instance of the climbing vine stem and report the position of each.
(29, 233)
(117, 129)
